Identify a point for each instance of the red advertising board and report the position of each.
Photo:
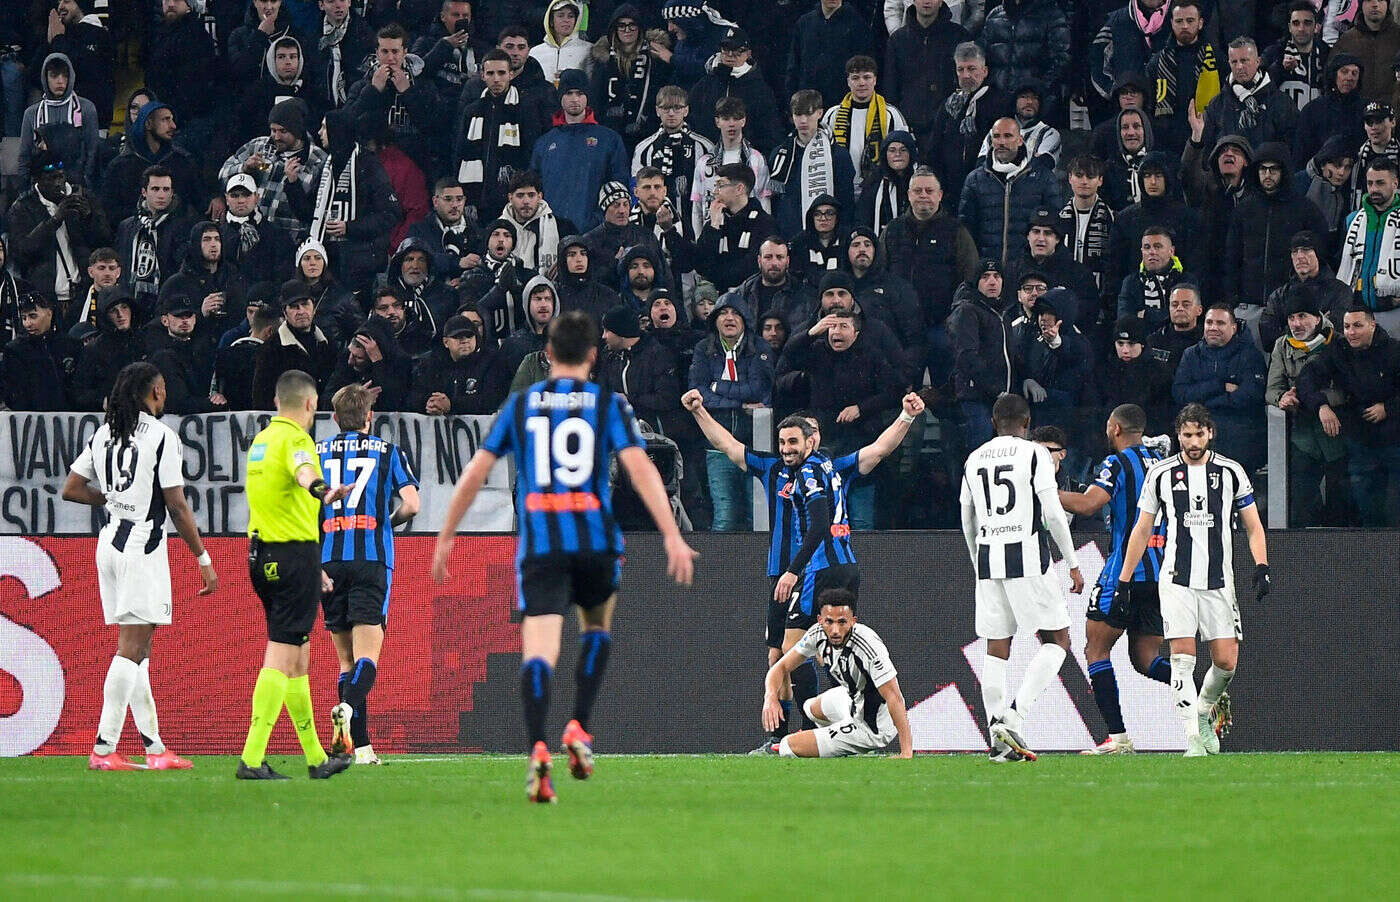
(55, 649)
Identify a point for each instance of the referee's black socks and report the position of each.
(804, 686)
(594, 647)
(356, 695)
(535, 677)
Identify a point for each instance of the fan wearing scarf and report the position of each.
(344, 50)
(353, 207)
(1000, 197)
(1042, 139)
(1250, 104)
(673, 149)
(1122, 183)
(281, 77)
(1129, 37)
(67, 122)
(150, 244)
(495, 135)
(625, 78)
(860, 122)
(952, 144)
(806, 165)
(12, 288)
(1297, 63)
(260, 248)
(52, 230)
(884, 195)
(731, 117)
(1185, 72)
(284, 156)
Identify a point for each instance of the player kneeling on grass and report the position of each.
(865, 710)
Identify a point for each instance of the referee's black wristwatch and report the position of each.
(318, 489)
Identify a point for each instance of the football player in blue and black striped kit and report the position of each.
(563, 432)
(1118, 485)
(777, 473)
(357, 556)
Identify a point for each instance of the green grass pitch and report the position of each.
(1275, 826)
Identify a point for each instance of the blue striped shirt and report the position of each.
(359, 528)
(817, 477)
(784, 535)
(1121, 475)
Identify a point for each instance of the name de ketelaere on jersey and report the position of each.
(563, 434)
(861, 665)
(817, 477)
(133, 475)
(785, 536)
(1198, 502)
(1122, 474)
(359, 527)
(1002, 481)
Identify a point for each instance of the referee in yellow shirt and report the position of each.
(285, 493)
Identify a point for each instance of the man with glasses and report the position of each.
(673, 149)
(736, 224)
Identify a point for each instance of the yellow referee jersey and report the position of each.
(279, 510)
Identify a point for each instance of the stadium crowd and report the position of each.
(782, 204)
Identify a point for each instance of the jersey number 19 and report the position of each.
(554, 459)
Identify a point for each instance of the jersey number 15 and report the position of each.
(999, 477)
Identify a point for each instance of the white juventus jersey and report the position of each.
(132, 476)
(860, 666)
(1198, 502)
(1001, 485)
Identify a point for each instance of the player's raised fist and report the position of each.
(913, 404)
(692, 400)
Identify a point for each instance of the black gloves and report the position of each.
(1262, 582)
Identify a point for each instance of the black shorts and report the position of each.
(802, 607)
(549, 585)
(360, 596)
(287, 578)
(1140, 612)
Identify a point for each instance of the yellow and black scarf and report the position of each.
(1207, 79)
(874, 128)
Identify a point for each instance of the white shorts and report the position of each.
(135, 587)
(840, 734)
(1211, 613)
(1005, 606)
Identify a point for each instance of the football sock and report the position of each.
(785, 750)
(782, 728)
(122, 676)
(299, 709)
(594, 648)
(340, 686)
(1160, 670)
(535, 677)
(1043, 667)
(993, 686)
(1184, 685)
(1215, 684)
(357, 697)
(143, 711)
(804, 686)
(268, 694)
(1106, 694)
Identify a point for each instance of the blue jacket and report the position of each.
(574, 161)
(1204, 370)
(725, 398)
(997, 210)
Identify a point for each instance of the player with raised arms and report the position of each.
(864, 711)
(775, 472)
(357, 553)
(1010, 509)
(563, 432)
(1111, 613)
(1198, 491)
(131, 469)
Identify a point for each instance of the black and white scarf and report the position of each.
(331, 37)
(1166, 76)
(1248, 96)
(628, 99)
(963, 109)
(65, 265)
(536, 241)
(816, 173)
(10, 327)
(471, 168)
(144, 264)
(890, 202)
(248, 234)
(336, 196)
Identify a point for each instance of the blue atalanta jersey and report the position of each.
(358, 528)
(563, 434)
(1121, 475)
(784, 535)
(818, 477)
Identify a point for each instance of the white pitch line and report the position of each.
(288, 887)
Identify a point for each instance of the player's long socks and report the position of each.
(993, 686)
(122, 676)
(1160, 670)
(1042, 669)
(1215, 684)
(1184, 685)
(143, 711)
(340, 686)
(594, 648)
(535, 677)
(804, 686)
(299, 708)
(268, 694)
(781, 730)
(357, 696)
(1105, 685)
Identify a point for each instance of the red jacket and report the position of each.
(410, 185)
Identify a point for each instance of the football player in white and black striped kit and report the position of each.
(865, 710)
(131, 468)
(1199, 491)
(1010, 510)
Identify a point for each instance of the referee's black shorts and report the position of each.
(360, 596)
(287, 578)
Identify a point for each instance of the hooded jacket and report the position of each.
(1333, 114)
(1061, 271)
(476, 384)
(1365, 376)
(432, 301)
(1376, 48)
(527, 339)
(12, 289)
(194, 280)
(661, 279)
(266, 90)
(248, 44)
(69, 124)
(1334, 202)
(820, 48)
(623, 89)
(1206, 192)
(997, 206)
(1122, 185)
(884, 194)
(1065, 371)
(104, 358)
(90, 47)
(919, 73)
(1167, 210)
(809, 256)
(574, 160)
(555, 55)
(980, 329)
(754, 361)
(591, 291)
(391, 374)
(703, 28)
(1028, 39)
(1257, 255)
(121, 181)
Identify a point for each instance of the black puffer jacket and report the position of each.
(980, 329)
(1257, 257)
(476, 384)
(997, 208)
(1168, 210)
(1332, 114)
(649, 376)
(919, 72)
(1028, 39)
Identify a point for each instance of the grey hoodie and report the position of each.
(70, 127)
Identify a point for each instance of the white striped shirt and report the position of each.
(1008, 500)
(1198, 501)
(133, 476)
